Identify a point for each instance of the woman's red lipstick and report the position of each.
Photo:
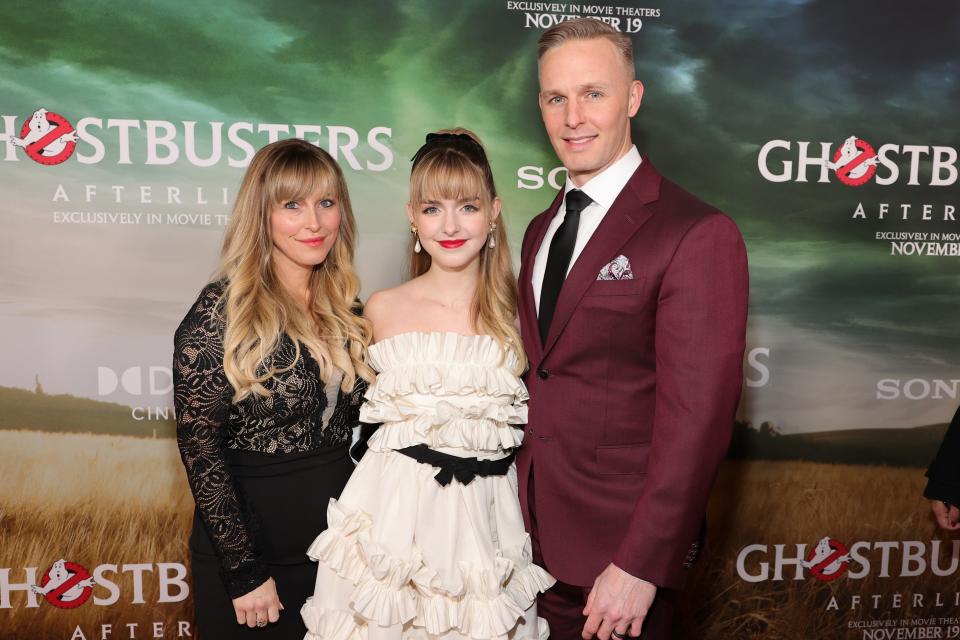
(451, 244)
(314, 242)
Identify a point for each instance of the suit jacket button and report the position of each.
(543, 374)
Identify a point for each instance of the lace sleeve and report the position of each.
(356, 399)
(362, 430)
(202, 401)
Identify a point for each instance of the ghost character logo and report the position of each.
(65, 585)
(828, 560)
(855, 162)
(47, 137)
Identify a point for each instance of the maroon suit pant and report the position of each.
(562, 605)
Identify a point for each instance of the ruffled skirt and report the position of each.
(404, 557)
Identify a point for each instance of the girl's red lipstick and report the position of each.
(451, 244)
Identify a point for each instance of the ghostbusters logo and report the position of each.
(855, 162)
(828, 560)
(47, 137)
(65, 585)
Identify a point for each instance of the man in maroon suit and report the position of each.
(633, 304)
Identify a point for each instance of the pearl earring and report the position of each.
(416, 246)
(493, 241)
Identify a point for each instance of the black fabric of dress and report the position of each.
(261, 471)
(944, 472)
(288, 493)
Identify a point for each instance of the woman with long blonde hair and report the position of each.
(427, 539)
(269, 370)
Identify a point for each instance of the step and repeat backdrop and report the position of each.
(827, 130)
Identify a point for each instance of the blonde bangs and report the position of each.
(296, 176)
(448, 176)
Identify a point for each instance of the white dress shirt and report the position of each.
(603, 189)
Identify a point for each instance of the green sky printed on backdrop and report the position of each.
(722, 78)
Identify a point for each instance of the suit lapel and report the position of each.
(628, 213)
(528, 308)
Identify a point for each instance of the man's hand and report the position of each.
(947, 515)
(259, 607)
(618, 602)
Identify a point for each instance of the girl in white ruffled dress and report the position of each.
(427, 539)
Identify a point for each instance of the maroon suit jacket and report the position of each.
(634, 394)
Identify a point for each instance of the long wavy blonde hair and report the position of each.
(452, 167)
(258, 309)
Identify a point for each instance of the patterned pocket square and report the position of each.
(616, 269)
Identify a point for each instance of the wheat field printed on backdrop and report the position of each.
(789, 503)
(116, 500)
(93, 500)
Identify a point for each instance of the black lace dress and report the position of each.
(261, 471)
(944, 471)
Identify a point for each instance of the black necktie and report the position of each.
(558, 259)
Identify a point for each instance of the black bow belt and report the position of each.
(463, 469)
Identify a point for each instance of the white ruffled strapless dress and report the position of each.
(405, 557)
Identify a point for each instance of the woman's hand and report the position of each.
(260, 606)
(947, 515)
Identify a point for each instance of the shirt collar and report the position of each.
(604, 187)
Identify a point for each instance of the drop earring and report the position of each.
(493, 241)
(416, 246)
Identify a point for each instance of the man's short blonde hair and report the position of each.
(586, 29)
